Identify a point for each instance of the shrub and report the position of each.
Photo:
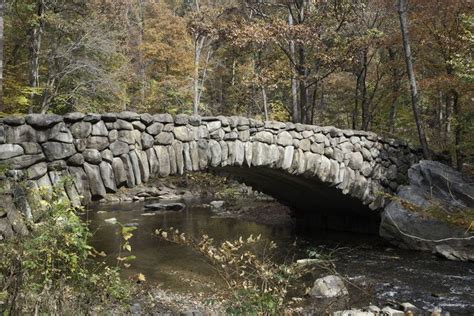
(52, 271)
(256, 284)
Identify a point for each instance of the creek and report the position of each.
(379, 273)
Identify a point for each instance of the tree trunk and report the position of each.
(440, 117)
(264, 100)
(395, 92)
(355, 110)
(313, 104)
(457, 130)
(141, 62)
(363, 94)
(294, 85)
(221, 93)
(134, 21)
(2, 10)
(198, 43)
(35, 50)
(234, 62)
(303, 90)
(47, 92)
(402, 12)
(204, 74)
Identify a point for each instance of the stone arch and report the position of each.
(104, 152)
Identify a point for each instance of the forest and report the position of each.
(110, 215)
(322, 62)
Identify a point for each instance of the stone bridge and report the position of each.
(333, 176)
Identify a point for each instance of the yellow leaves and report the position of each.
(126, 232)
(140, 277)
(166, 43)
(44, 203)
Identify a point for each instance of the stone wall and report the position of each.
(104, 152)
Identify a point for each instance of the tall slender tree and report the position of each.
(35, 47)
(2, 13)
(402, 12)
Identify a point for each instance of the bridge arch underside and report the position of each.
(315, 205)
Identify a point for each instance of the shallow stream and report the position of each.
(380, 273)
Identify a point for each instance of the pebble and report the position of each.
(111, 220)
(436, 311)
(373, 308)
(408, 307)
(392, 312)
(217, 204)
(131, 225)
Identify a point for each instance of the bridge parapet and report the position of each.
(104, 152)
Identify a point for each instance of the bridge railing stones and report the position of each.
(105, 152)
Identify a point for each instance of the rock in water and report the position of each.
(112, 220)
(329, 286)
(392, 312)
(217, 204)
(432, 186)
(165, 207)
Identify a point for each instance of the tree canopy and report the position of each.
(323, 62)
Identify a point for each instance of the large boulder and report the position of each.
(10, 150)
(147, 141)
(120, 173)
(419, 216)
(37, 171)
(108, 177)
(73, 116)
(154, 128)
(165, 207)
(76, 160)
(98, 142)
(183, 133)
(119, 148)
(43, 120)
(95, 181)
(24, 161)
(99, 129)
(164, 138)
(19, 134)
(92, 156)
(329, 286)
(31, 148)
(57, 150)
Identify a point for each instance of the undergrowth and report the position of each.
(53, 270)
(256, 284)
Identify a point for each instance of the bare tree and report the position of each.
(2, 12)
(402, 13)
(203, 39)
(294, 84)
(396, 74)
(36, 34)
